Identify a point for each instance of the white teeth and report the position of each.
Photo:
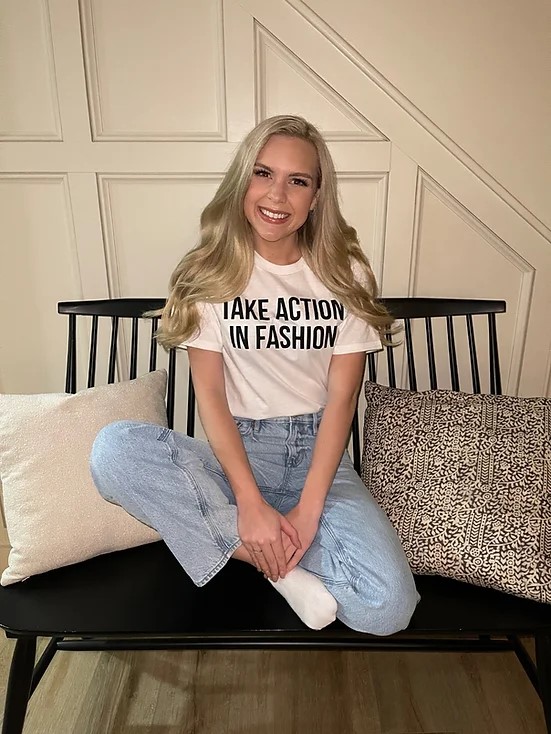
(272, 215)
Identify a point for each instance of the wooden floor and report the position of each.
(281, 693)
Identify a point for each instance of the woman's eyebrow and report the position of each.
(297, 173)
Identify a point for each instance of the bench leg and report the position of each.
(19, 685)
(543, 662)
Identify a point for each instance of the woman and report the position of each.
(276, 307)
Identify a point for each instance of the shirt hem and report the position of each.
(210, 346)
(352, 348)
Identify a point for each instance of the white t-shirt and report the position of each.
(277, 340)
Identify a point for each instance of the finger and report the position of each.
(288, 548)
(294, 561)
(272, 562)
(255, 556)
(265, 566)
(279, 553)
(289, 530)
(261, 562)
(289, 553)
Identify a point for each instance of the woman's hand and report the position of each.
(262, 529)
(306, 520)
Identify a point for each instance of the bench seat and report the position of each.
(144, 591)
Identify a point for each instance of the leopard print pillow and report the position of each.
(466, 481)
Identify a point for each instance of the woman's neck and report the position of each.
(279, 254)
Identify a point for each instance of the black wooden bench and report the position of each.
(141, 599)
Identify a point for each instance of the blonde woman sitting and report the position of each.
(277, 308)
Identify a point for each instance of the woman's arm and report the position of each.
(259, 525)
(344, 382)
(208, 380)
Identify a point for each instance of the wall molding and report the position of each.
(300, 7)
(382, 180)
(110, 248)
(264, 40)
(63, 180)
(93, 88)
(112, 268)
(43, 135)
(547, 380)
(527, 271)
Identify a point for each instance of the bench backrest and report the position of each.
(447, 348)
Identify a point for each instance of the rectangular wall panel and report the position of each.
(155, 71)
(39, 268)
(28, 90)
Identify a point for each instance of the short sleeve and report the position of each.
(356, 335)
(209, 335)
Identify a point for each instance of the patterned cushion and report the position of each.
(466, 481)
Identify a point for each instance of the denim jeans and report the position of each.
(175, 484)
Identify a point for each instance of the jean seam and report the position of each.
(201, 504)
(213, 531)
(340, 550)
(220, 564)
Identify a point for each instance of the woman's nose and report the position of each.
(277, 191)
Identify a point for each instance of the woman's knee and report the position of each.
(110, 442)
(115, 447)
(385, 611)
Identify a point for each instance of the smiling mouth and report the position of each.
(273, 216)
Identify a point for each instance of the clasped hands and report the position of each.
(276, 542)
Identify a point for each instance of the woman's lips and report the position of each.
(278, 219)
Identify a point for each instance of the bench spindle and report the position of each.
(475, 375)
(92, 360)
(430, 354)
(113, 349)
(134, 349)
(452, 353)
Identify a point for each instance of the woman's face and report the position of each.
(282, 191)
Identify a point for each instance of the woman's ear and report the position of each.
(314, 201)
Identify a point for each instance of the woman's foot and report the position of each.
(304, 592)
(308, 598)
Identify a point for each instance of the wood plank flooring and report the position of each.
(265, 692)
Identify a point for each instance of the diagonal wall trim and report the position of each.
(265, 40)
(407, 105)
(526, 270)
(427, 183)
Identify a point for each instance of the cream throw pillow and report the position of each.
(54, 514)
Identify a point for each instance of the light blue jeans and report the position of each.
(175, 484)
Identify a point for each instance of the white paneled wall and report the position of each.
(118, 120)
(29, 109)
(158, 74)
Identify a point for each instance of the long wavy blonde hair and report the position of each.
(219, 267)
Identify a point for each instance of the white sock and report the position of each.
(307, 597)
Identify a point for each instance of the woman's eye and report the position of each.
(299, 182)
(261, 172)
